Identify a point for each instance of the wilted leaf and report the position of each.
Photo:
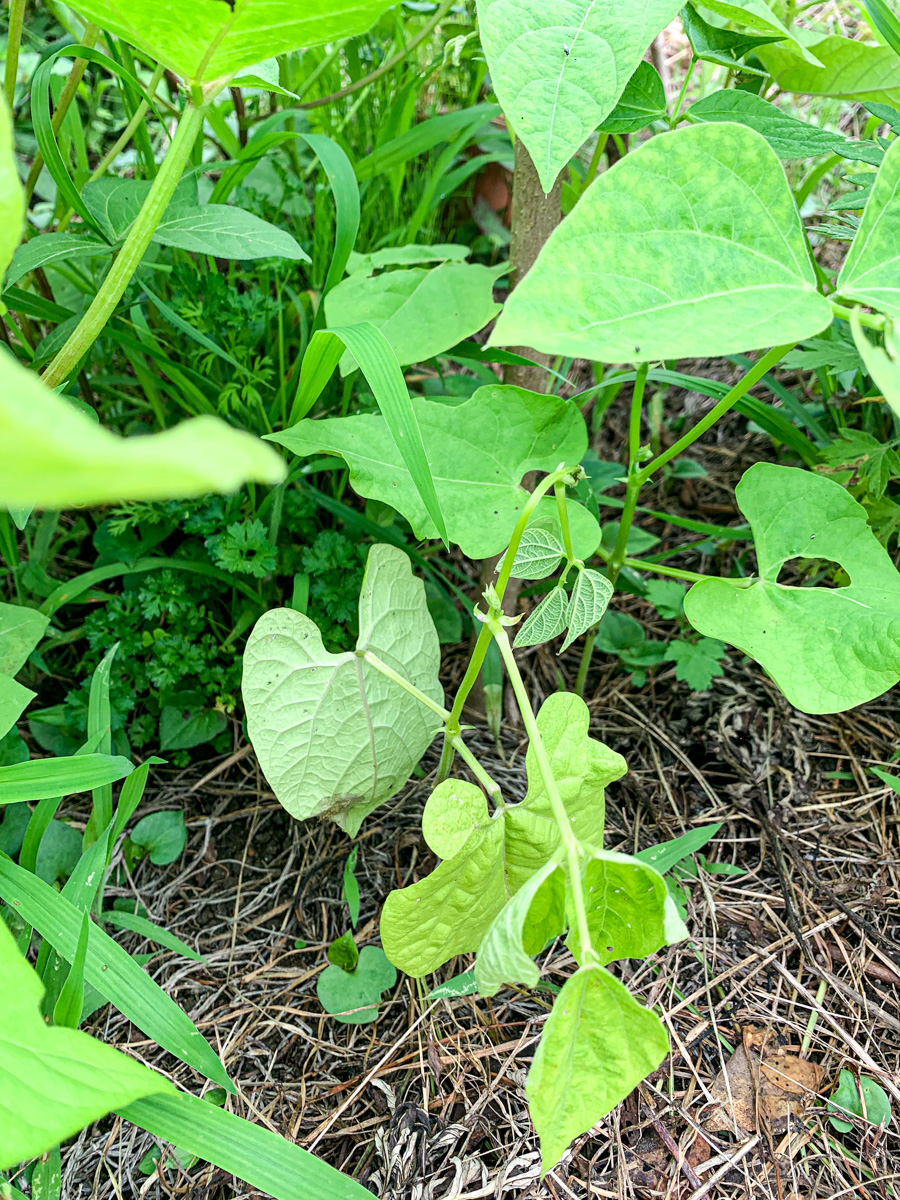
(502, 957)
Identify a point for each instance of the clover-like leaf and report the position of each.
(205, 39)
(478, 452)
(341, 992)
(871, 270)
(547, 621)
(335, 737)
(590, 599)
(690, 246)
(450, 911)
(53, 1081)
(597, 1045)
(502, 957)
(827, 648)
(559, 69)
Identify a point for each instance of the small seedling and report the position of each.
(861, 1098)
(351, 994)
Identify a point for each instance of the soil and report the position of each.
(791, 976)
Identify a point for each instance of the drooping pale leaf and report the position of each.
(21, 629)
(871, 270)
(590, 599)
(53, 1081)
(342, 991)
(882, 362)
(450, 911)
(558, 69)
(689, 246)
(421, 312)
(597, 1045)
(827, 648)
(850, 70)
(205, 39)
(14, 698)
(53, 456)
(540, 551)
(12, 197)
(501, 956)
(546, 622)
(334, 736)
(478, 452)
(626, 905)
(789, 137)
(642, 103)
(759, 16)
(225, 231)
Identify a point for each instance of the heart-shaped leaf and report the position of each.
(450, 911)
(334, 736)
(871, 270)
(559, 69)
(53, 1081)
(340, 991)
(597, 1045)
(827, 648)
(205, 39)
(690, 246)
(478, 452)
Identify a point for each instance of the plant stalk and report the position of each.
(129, 257)
(13, 43)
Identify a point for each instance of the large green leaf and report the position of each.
(478, 453)
(789, 137)
(225, 231)
(334, 736)
(206, 39)
(850, 70)
(53, 1081)
(871, 270)
(12, 198)
(597, 1045)
(53, 456)
(559, 68)
(690, 246)
(421, 312)
(827, 648)
(488, 858)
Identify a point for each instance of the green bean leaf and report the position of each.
(871, 270)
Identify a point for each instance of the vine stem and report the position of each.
(484, 638)
(536, 743)
(870, 320)
(638, 564)
(128, 259)
(13, 43)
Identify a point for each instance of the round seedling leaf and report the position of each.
(352, 997)
(162, 834)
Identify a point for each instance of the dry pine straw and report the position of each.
(429, 1101)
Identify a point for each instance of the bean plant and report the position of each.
(690, 246)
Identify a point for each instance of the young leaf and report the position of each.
(340, 990)
(849, 1097)
(451, 910)
(162, 835)
(53, 456)
(421, 312)
(350, 888)
(501, 956)
(333, 735)
(696, 663)
(788, 137)
(547, 621)
(477, 451)
(668, 854)
(53, 1081)
(667, 597)
(828, 649)
(597, 1045)
(850, 70)
(559, 70)
(343, 952)
(689, 246)
(590, 598)
(642, 103)
(200, 42)
(540, 551)
(871, 270)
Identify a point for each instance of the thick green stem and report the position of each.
(13, 42)
(870, 320)
(536, 743)
(727, 402)
(113, 288)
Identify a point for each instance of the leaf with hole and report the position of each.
(478, 452)
(334, 736)
(597, 1045)
(560, 69)
(689, 246)
(341, 991)
(827, 648)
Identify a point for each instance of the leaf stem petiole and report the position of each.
(389, 673)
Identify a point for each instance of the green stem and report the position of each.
(638, 564)
(13, 42)
(113, 288)
(490, 785)
(536, 743)
(676, 110)
(65, 101)
(559, 489)
(870, 320)
(727, 402)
